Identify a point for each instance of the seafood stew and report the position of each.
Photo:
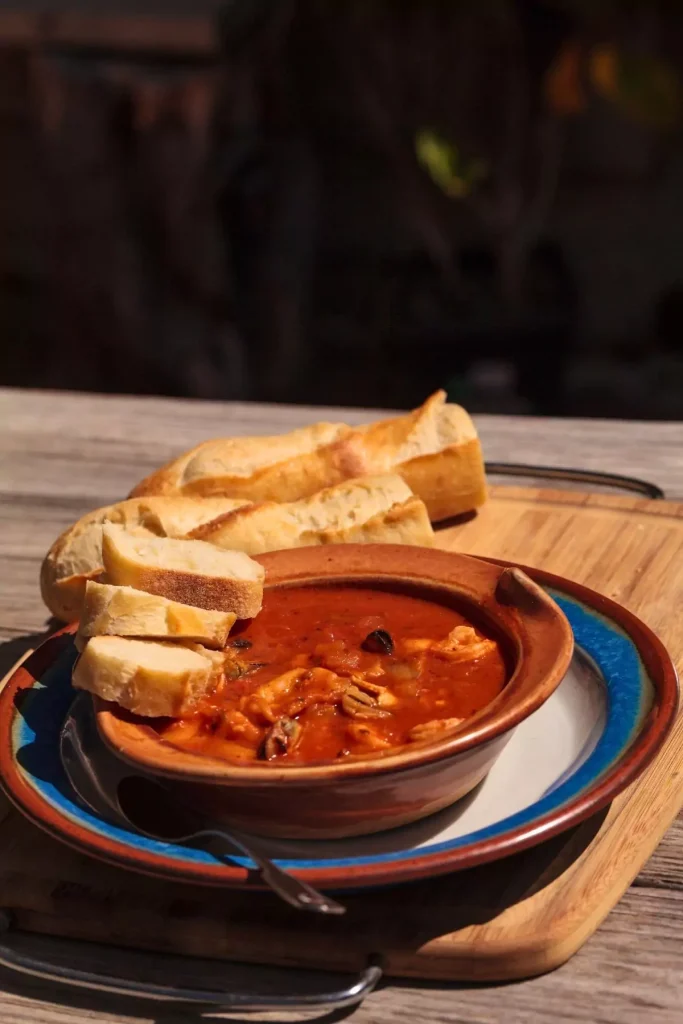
(331, 673)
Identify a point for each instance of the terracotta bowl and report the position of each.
(380, 792)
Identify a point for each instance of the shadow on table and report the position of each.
(12, 651)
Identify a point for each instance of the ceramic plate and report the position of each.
(598, 730)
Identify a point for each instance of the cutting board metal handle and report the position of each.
(24, 963)
(576, 476)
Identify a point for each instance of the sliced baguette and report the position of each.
(379, 509)
(76, 556)
(145, 677)
(189, 571)
(123, 611)
(434, 448)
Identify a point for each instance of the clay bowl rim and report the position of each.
(505, 597)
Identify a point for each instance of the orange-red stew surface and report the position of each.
(327, 673)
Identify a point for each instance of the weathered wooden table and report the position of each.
(62, 454)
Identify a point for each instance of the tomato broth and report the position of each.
(327, 673)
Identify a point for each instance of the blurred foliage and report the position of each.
(644, 87)
(455, 174)
(591, 62)
(563, 86)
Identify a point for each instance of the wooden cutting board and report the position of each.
(512, 919)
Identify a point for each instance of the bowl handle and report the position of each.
(24, 963)
(517, 589)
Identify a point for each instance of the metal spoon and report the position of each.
(107, 787)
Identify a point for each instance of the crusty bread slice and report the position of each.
(146, 677)
(377, 509)
(189, 571)
(123, 611)
(76, 556)
(434, 448)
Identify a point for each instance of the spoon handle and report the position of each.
(288, 887)
(100, 786)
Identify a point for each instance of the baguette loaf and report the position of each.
(123, 611)
(434, 448)
(76, 556)
(145, 677)
(189, 571)
(379, 509)
(252, 467)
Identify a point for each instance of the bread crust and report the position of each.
(450, 481)
(164, 566)
(218, 466)
(378, 509)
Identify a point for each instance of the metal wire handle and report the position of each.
(211, 999)
(582, 476)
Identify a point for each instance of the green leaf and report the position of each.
(446, 166)
(437, 156)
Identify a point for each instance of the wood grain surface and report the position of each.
(63, 454)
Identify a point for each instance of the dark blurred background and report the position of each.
(346, 201)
